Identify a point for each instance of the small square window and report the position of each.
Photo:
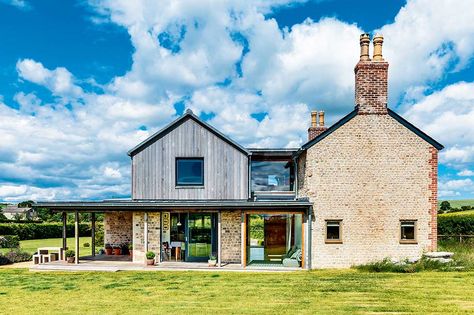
(189, 172)
(407, 231)
(333, 231)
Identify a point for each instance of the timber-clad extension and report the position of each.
(360, 190)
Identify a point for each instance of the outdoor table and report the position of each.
(59, 250)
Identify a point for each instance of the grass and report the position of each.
(457, 213)
(333, 291)
(31, 246)
(459, 203)
(463, 252)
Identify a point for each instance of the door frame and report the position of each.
(214, 236)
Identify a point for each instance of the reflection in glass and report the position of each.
(271, 176)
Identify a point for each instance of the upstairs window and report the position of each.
(272, 176)
(189, 172)
(333, 231)
(407, 231)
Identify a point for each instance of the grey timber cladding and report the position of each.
(225, 166)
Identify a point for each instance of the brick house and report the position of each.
(361, 190)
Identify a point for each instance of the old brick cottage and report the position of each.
(361, 190)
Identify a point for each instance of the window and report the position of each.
(407, 231)
(333, 231)
(189, 172)
(272, 176)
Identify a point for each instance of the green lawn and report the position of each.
(334, 291)
(32, 245)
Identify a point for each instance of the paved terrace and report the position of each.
(124, 263)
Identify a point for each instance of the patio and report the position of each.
(123, 263)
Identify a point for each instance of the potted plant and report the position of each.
(150, 258)
(70, 256)
(108, 249)
(117, 250)
(212, 262)
(130, 249)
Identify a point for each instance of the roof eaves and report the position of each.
(188, 115)
(415, 130)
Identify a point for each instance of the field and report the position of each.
(459, 203)
(458, 213)
(32, 245)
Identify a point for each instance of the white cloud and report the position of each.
(466, 173)
(20, 4)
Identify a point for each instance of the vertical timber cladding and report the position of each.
(225, 166)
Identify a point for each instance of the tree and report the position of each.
(25, 204)
(2, 216)
(445, 206)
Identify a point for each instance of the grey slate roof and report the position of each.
(150, 205)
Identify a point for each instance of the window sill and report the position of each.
(333, 241)
(408, 242)
(189, 187)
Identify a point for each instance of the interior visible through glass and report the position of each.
(274, 239)
(333, 230)
(408, 230)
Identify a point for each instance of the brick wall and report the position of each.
(433, 187)
(231, 236)
(313, 132)
(154, 243)
(117, 227)
(370, 173)
(371, 87)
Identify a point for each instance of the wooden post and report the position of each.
(64, 231)
(219, 239)
(76, 235)
(93, 233)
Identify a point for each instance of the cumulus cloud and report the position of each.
(230, 63)
(466, 173)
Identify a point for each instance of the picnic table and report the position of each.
(48, 252)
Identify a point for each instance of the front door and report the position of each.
(200, 236)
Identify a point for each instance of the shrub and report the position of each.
(387, 265)
(14, 256)
(150, 255)
(28, 231)
(456, 224)
(9, 241)
(70, 253)
(87, 245)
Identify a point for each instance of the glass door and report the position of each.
(201, 240)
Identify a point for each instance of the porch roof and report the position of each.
(158, 205)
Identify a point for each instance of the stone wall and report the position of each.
(370, 173)
(117, 227)
(154, 233)
(231, 236)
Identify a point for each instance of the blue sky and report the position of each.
(81, 82)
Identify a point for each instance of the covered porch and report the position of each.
(182, 233)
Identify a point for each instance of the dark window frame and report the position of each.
(331, 240)
(414, 240)
(291, 169)
(189, 185)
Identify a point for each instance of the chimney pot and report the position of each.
(364, 47)
(314, 122)
(378, 41)
(321, 118)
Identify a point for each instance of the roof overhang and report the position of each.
(160, 205)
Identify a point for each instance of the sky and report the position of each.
(82, 82)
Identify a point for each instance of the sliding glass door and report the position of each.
(201, 236)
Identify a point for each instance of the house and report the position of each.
(14, 212)
(361, 190)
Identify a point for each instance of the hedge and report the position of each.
(29, 231)
(14, 256)
(456, 224)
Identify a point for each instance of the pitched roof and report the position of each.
(352, 114)
(173, 125)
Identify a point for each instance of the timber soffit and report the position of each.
(352, 114)
(176, 123)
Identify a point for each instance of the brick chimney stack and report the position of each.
(371, 78)
(317, 125)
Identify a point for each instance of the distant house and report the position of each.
(361, 190)
(13, 212)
